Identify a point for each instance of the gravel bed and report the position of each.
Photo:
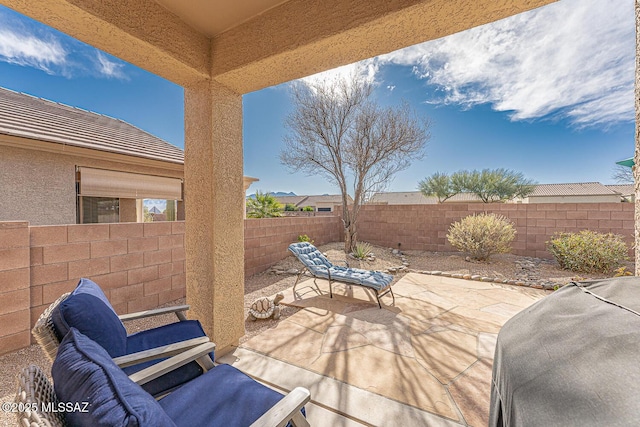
(505, 268)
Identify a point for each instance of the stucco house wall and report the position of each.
(39, 186)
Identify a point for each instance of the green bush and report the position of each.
(362, 250)
(588, 251)
(289, 207)
(305, 238)
(263, 205)
(482, 235)
(307, 209)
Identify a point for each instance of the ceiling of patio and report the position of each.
(252, 44)
(214, 17)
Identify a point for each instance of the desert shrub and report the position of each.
(307, 209)
(305, 238)
(588, 251)
(289, 207)
(361, 250)
(482, 235)
(621, 272)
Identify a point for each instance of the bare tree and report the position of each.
(622, 174)
(337, 131)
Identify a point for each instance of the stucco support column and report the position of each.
(214, 199)
(636, 168)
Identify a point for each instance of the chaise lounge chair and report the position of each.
(88, 310)
(320, 267)
(90, 389)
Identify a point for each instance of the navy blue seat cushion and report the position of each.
(165, 335)
(88, 310)
(84, 372)
(225, 397)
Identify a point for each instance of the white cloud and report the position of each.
(31, 51)
(364, 70)
(574, 58)
(27, 43)
(109, 68)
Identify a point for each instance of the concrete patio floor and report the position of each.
(424, 360)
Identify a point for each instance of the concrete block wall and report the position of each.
(266, 240)
(424, 227)
(14, 286)
(139, 266)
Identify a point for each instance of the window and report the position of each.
(93, 210)
(324, 209)
(112, 196)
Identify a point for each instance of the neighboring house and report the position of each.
(324, 203)
(417, 198)
(64, 165)
(291, 200)
(627, 191)
(580, 192)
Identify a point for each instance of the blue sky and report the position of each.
(548, 93)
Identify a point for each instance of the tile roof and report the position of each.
(572, 189)
(326, 198)
(624, 189)
(417, 198)
(35, 118)
(402, 198)
(302, 201)
(294, 200)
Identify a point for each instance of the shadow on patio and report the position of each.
(426, 360)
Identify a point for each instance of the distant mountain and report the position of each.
(275, 194)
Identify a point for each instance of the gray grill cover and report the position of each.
(571, 359)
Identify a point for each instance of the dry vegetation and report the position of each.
(504, 266)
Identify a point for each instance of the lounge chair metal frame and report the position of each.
(378, 294)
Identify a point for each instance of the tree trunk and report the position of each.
(350, 227)
(636, 169)
(348, 240)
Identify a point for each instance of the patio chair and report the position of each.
(88, 310)
(319, 266)
(90, 389)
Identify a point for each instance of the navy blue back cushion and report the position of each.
(223, 396)
(84, 372)
(88, 310)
